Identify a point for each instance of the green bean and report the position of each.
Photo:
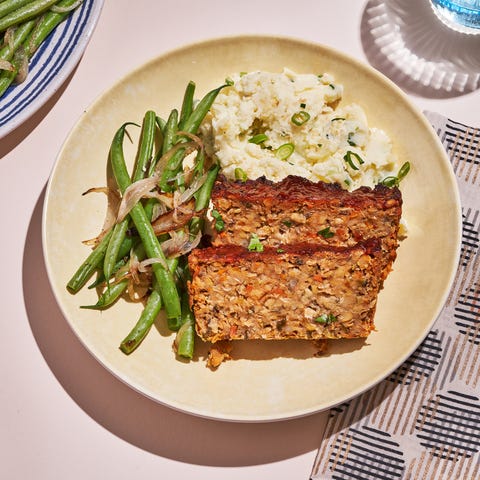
(187, 104)
(185, 339)
(195, 119)
(145, 149)
(89, 266)
(145, 322)
(101, 276)
(26, 12)
(109, 296)
(9, 5)
(20, 34)
(142, 223)
(170, 131)
(202, 198)
(191, 125)
(42, 29)
(161, 124)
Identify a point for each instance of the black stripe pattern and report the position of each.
(421, 363)
(449, 425)
(367, 453)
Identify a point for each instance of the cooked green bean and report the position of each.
(20, 34)
(42, 29)
(101, 277)
(203, 198)
(147, 138)
(185, 339)
(144, 228)
(187, 104)
(26, 12)
(89, 266)
(170, 131)
(109, 296)
(191, 125)
(145, 322)
(195, 119)
(10, 5)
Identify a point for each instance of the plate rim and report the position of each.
(412, 108)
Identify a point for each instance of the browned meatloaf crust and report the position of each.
(296, 210)
(301, 291)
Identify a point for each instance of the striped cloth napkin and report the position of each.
(423, 421)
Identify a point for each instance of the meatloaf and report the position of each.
(301, 291)
(298, 210)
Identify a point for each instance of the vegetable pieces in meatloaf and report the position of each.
(298, 210)
(293, 259)
(300, 291)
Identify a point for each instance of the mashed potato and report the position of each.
(279, 124)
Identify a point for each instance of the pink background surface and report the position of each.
(62, 415)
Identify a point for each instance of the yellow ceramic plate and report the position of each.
(266, 381)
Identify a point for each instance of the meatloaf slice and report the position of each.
(298, 210)
(301, 291)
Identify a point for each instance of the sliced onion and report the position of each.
(175, 219)
(113, 202)
(21, 59)
(6, 65)
(9, 37)
(190, 191)
(134, 193)
(180, 244)
(73, 6)
(144, 264)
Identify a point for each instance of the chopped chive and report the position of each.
(349, 139)
(303, 105)
(326, 319)
(326, 233)
(219, 223)
(348, 158)
(392, 181)
(240, 175)
(257, 139)
(404, 169)
(332, 86)
(280, 250)
(337, 118)
(229, 82)
(301, 117)
(255, 245)
(287, 223)
(284, 151)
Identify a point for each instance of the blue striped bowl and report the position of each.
(50, 66)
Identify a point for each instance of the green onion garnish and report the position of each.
(337, 118)
(240, 175)
(255, 245)
(332, 86)
(348, 158)
(349, 139)
(299, 118)
(219, 223)
(326, 319)
(284, 151)
(326, 233)
(303, 105)
(395, 181)
(257, 139)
